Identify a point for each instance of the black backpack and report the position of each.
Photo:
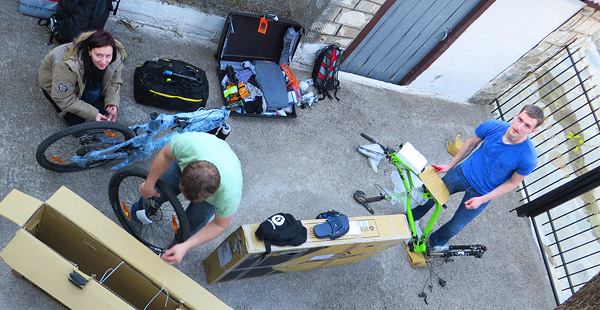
(281, 229)
(76, 16)
(170, 84)
(325, 71)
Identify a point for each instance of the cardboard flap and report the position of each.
(49, 271)
(435, 185)
(19, 207)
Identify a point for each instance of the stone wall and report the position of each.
(325, 21)
(581, 26)
(343, 24)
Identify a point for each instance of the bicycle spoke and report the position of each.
(158, 225)
(56, 151)
(160, 233)
(61, 151)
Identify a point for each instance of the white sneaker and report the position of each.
(418, 228)
(440, 248)
(419, 232)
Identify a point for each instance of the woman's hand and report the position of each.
(101, 118)
(112, 113)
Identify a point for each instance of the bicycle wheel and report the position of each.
(168, 224)
(55, 152)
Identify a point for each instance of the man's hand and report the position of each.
(474, 202)
(442, 168)
(175, 254)
(148, 191)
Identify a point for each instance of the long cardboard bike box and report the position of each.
(240, 255)
(84, 260)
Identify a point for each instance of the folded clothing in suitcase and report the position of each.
(254, 56)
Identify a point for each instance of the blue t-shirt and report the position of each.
(495, 162)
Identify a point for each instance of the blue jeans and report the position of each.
(198, 213)
(456, 181)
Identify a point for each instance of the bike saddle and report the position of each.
(361, 197)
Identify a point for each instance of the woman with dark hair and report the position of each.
(82, 79)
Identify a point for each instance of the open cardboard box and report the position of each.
(65, 239)
(240, 255)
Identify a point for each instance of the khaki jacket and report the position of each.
(61, 76)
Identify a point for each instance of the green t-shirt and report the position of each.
(194, 146)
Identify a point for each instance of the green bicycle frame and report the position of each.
(418, 244)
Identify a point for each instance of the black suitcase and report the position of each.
(252, 49)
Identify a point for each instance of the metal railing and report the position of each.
(567, 146)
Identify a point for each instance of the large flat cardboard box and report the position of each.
(86, 261)
(240, 255)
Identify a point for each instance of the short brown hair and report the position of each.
(199, 180)
(534, 112)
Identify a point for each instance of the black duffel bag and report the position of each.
(170, 84)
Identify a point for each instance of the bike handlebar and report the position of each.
(386, 150)
(368, 138)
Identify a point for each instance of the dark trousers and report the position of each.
(71, 118)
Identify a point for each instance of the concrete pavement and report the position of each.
(303, 166)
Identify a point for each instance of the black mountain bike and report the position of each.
(157, 225)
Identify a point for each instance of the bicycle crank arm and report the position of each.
(375, 199)
(476, 250)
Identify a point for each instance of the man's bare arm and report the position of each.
(502, 189)
(465, 150)
(209, 232)
(161, 163)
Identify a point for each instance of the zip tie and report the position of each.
(166, 301)
(105, 277)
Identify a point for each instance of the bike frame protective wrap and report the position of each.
(419, 244)
(142, 145)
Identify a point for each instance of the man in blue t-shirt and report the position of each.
(504, 159)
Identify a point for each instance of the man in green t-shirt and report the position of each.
(209, 174)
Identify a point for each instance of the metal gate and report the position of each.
(405, 34)
(567, 147)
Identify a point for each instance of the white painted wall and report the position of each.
(190, 23)
(498, 38)
(187, 22)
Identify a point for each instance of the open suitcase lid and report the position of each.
(241, 40)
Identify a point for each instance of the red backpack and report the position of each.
(325, 71)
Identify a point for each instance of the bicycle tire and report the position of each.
(169, 222)
(55, 152)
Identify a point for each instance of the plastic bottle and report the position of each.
(224, 132)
